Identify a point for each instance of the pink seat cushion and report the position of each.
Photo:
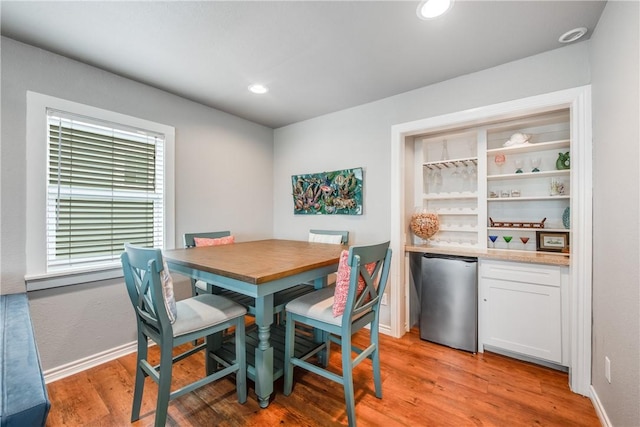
(206, 241)
(342, 283)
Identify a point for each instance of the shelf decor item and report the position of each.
(556, 187)
(493, 240)
(519, 163)
(535, 164)
(517, 139)
(552, 241)
(514, 224)
(424, 224)
(566, 217)
(563, 161)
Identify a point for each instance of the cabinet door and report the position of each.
(522, 317)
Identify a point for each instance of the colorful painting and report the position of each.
(328, 193)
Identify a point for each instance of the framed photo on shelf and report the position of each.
(552, 241)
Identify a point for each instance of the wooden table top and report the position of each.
(258, 261)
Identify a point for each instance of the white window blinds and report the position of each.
(104, 188)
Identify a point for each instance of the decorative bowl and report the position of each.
(424, 224)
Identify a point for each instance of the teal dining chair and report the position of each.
(189, 240)
(169, 324)
(338, 312)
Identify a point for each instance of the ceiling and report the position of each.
(316, 57)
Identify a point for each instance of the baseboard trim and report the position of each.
(597, 404)
(385, 329)
(54, 374)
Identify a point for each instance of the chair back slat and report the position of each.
(375, 282)
(142, 267)
(189, 241)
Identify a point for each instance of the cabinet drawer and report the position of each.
(539, 274)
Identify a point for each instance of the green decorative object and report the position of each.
(566, 218)
(563, 161)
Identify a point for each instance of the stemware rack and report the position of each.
(451, 164)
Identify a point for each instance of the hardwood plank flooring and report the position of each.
(424, 384)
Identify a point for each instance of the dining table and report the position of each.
(259, 269)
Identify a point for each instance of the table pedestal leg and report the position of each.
(264, 350)
(264, 366)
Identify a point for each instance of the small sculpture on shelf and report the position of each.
(517, 139)
(563, 161)
(556, 187)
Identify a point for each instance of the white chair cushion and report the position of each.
(167, 292)
(202, 285)
(203, 311)
(317, 305)
(335, 239)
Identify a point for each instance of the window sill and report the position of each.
(37, 282)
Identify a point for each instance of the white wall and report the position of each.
(361, 136)
(615, 65)
(223, 181)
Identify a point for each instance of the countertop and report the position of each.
(497, 254)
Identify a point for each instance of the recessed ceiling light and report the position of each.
(258, 88)
(573, 35)
(429, 9)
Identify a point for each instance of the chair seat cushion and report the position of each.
(23, 394)
(203, 311)
(317, 305)
(206, 241)
(202, 285)
(167, 292)
(335, 239)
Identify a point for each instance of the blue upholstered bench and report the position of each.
(23, 394)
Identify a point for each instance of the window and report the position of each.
(107, 179)
(104, 188)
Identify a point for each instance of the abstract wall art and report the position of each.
(328, 193)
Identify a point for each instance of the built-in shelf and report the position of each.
(452, 244)
(529, 148)
(526, 175)
(450, 196)
(551, 230)
(525, 199)
(457, 211)
(455, 228)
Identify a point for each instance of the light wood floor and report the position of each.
(424, 384)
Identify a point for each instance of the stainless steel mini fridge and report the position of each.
(449, 301)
